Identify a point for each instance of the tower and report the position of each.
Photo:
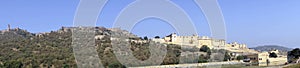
(8, 27)
(173, 37)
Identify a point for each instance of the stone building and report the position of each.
(235, 45)
(193, 40)
(263, 59)
(199, 41)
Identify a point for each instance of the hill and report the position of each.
(283, 50)
(271, 47)
(22, 49)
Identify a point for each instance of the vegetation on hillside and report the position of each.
(294, 55)
(22, 49)
(293, 66)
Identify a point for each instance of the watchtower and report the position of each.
(8, 27)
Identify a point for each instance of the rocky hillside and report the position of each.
(22, 49)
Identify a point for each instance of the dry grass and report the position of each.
(293, 66)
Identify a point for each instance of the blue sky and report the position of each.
(253, 22)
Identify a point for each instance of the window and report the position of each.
(260, 58)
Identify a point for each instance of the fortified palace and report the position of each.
(235, 48)
(199, 41)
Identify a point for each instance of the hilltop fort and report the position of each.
(18, 43)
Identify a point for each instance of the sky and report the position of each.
(253, 22)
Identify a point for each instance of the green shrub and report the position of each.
(116, 65)
(13, 64)
(239, 57)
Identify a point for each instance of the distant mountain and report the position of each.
(282, 49)
(271, 47)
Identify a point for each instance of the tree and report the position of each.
(157, 37)
(295, 53)
(227, 56)
(116, 65)
(202, 59)
(273, 55)
(205, 48)
(239, 57)
(209, 52)
(145, 38)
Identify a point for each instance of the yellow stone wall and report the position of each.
(278, 61)
(218, 44)
(199, 41)
(185, 40)
(262, 58)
